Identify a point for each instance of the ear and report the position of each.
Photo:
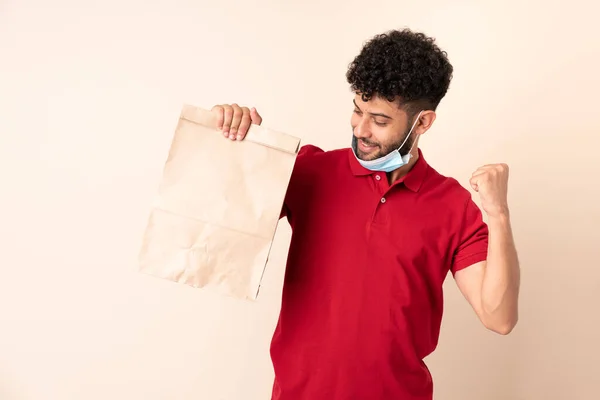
(425, 121)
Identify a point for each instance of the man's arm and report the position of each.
(492, 286)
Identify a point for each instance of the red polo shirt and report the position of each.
(362, 300)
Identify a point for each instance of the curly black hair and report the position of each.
(402, 66)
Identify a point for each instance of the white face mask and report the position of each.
(390, 161)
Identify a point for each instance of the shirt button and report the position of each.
(383, 199)
(377, 177)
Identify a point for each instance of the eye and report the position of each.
(382, 124)
(357, 111)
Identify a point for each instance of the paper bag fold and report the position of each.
(218, 205)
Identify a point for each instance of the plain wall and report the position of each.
(90, 93)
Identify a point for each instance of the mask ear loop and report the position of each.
(409, 133)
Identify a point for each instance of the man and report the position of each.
(375, 231)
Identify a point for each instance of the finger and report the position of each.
(479, 171)
(236, 120)
(227, 117)
(255, 116)
(245, 124)
(502, 167)
(495, 166)
(474, 183)
(218, 111)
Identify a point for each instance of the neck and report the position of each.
(402, 171)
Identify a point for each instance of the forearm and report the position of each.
(500, 287)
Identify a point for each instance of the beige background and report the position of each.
(90, 93)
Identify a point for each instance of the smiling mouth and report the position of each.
(367, 148)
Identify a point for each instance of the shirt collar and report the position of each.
(412, 180)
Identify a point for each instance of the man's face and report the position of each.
(380, 127)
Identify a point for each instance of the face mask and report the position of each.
(390, 161)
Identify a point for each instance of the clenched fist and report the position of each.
(234, 121)
(491, 182)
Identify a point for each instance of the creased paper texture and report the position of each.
(218, 206)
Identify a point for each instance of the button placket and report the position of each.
(381, 211)
(382, 188)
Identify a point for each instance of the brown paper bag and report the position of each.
(218, 206)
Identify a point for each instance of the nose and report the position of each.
(361, 128)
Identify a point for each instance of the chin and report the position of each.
(367, 156)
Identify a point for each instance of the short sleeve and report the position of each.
(294, 191)
(473, 239)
